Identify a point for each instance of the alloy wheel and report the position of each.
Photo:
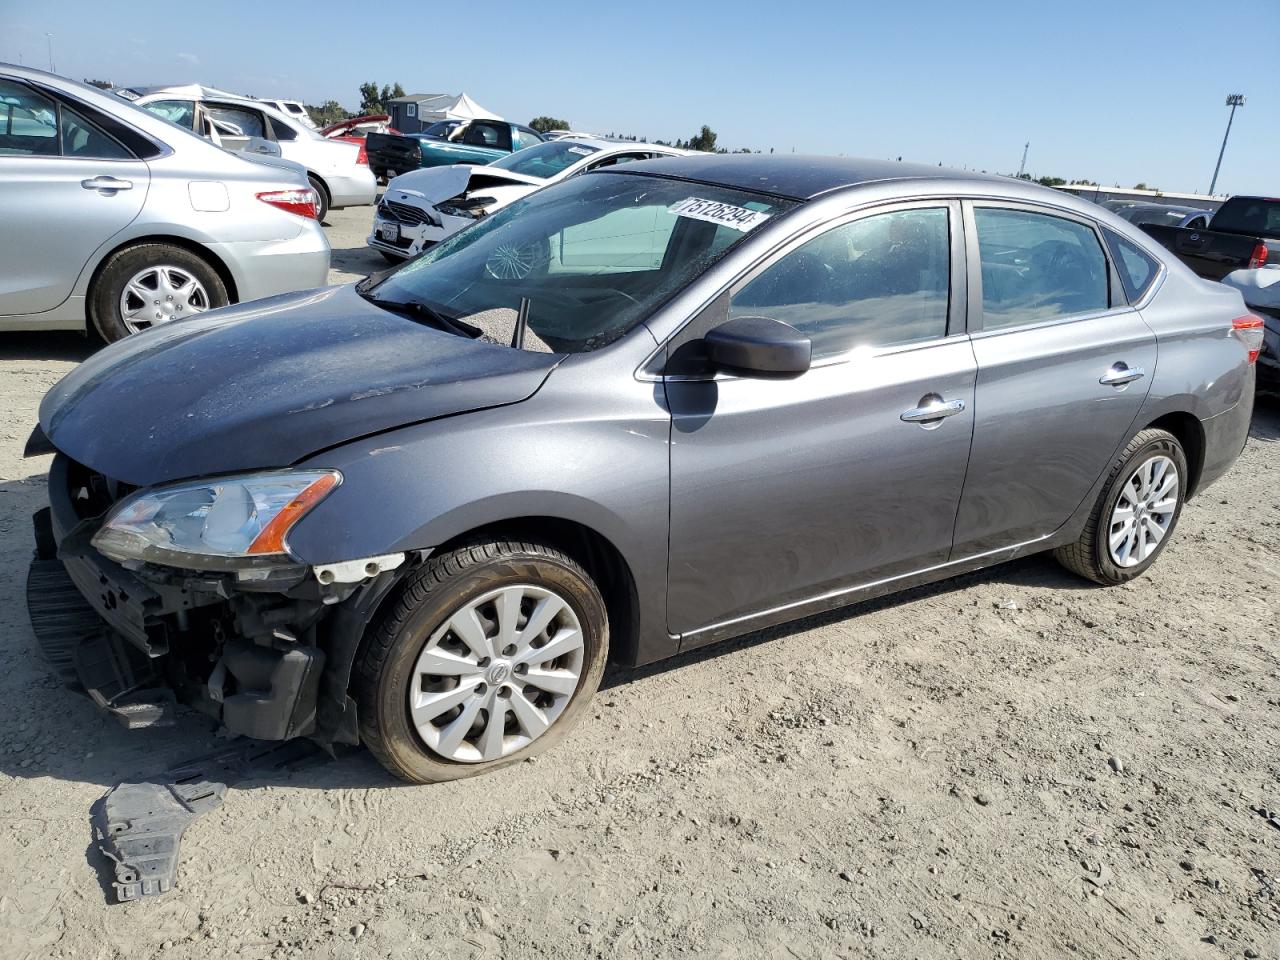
(512, 261)
(496, 674)
(160, 294)
(1144, 511)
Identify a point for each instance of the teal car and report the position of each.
(446, 143)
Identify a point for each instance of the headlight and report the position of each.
(225, 524)
(464, 206)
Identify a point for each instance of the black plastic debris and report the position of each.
(139, 826)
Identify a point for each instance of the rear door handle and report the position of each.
(1120, 374)
(106, 183)
(933, 408)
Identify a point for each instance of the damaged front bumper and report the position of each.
(270, 657)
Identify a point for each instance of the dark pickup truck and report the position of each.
(1242, 235)
(445, 143)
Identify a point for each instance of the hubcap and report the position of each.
(160, 294)
(1144, 512)
(496, 674)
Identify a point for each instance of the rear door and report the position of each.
(783, 490)
(66, 187)
(1064, 365)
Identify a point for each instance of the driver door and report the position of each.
(785, 491)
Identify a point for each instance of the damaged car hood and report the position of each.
(435, 184)
(269, 383)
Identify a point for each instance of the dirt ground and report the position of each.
(1012, 764)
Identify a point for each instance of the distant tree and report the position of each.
(545, 124)
(373, 100)
(704, 141)
(331, 111)
(100, 84)
(1050, 181)
(1143, 186)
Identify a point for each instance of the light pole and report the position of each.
(1233, 101)
(49, 37)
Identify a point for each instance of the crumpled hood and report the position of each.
(268, 383)
(434, 184)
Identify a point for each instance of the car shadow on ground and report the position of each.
(49, 345)
(55, 732)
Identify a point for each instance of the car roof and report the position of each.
(794, 177)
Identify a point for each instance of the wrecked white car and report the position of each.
(423, 207)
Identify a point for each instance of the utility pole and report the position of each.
(1233, 101)
(1023, 168)
(49, 37)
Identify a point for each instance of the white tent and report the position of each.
(446, 107)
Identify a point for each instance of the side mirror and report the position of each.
(759, 347)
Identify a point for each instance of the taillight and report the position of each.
(363, 157)
(1249, 331)
(1259, 256)
(300, 202)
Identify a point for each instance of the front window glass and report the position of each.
(593, 255)
(879, 281)
(545, 160)
(1037, 267)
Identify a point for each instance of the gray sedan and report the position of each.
(630, 414)
(118, 219)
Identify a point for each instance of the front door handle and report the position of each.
(1120, 374)
(106, 183)
(932, 409)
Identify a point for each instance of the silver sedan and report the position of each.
(118, 219)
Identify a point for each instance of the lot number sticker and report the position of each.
(724, 214)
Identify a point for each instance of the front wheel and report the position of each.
(1135, 514)
(488, 654)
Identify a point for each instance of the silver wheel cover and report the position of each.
(1144, 512)
(496, 674)
(160, 294)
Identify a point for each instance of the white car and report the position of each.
(291, 109)
(239, 123)
(423, 207)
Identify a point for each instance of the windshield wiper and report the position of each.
(420, 311)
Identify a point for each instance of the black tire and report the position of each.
(1090, 556)
(123, 265)
(392, 258)
(384, 668)
(322, 195)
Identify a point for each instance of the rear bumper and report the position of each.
(1225, 436)
(265, 268)
(352, 190)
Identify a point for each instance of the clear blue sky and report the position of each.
(1115, 91)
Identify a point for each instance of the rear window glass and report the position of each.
(1252, 215)
(1137, 267)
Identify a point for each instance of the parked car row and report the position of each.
(336, 169)
(1241, 247)
(121, 218)
(423, 207)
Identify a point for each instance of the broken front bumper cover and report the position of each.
(270, 658)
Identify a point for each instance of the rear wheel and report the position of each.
(322, 198)
(1135, 514)
(150, 284)
(488, 655)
